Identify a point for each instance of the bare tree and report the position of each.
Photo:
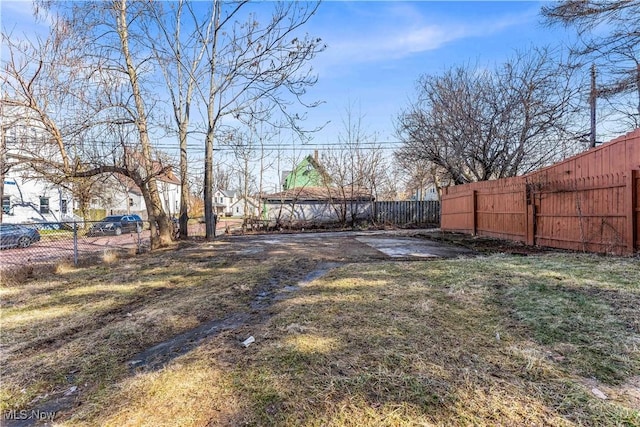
(42, 133)
(102, 58)
(174, 36)
(480, 125)
(418, 174)
(85, 87)
(150, 190)
(609, 36)
(250, 62)
(356, 169)
(245, 154)
(221, 177)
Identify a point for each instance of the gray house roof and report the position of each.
(228, 193)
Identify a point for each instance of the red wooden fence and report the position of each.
(590, 202)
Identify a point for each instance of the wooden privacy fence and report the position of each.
(587, 202)
(594, 214)
(404, 213)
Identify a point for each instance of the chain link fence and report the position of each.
(43, 243)
(25, 244)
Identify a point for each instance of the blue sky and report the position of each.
(377, 50)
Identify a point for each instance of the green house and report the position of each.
(308, 173)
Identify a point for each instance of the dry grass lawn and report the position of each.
(494, 340)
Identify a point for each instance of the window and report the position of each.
(130, 201)
(44, 205)
(6, 204)
(63, 206)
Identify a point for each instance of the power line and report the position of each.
(384, 145)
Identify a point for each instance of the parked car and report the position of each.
(116, 225)
(17, 236)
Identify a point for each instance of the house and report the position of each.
(308, 173)
(28, 196)
(125, 197)
(28, 199)
(128, 196)
(427, 193)
(223, 201)
(309, 196)
(317, 205)
(25, 195)
(232, 203)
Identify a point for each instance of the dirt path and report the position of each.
(159, 355)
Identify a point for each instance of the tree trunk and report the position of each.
(209, 217)
(184, 185)
(3, 167)
(157, 215)
(208, 187)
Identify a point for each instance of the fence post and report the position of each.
(75, 243)
(630, 210)
(474, 213)
(139, 242)
(529, 215)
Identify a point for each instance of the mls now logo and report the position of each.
(29, 415)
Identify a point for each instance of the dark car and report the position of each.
(17, 236)
(116, 225)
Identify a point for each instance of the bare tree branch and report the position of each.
(480, 125)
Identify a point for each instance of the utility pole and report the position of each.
(3, 167)
(592, 101)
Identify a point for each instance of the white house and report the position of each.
(27, 199)
(232, 203)
(428, 192)
(223, 201)
(124, 196)
(30, 199)
(27, 196)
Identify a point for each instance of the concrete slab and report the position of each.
(411, 247)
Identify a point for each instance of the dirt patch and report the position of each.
(159, 355)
